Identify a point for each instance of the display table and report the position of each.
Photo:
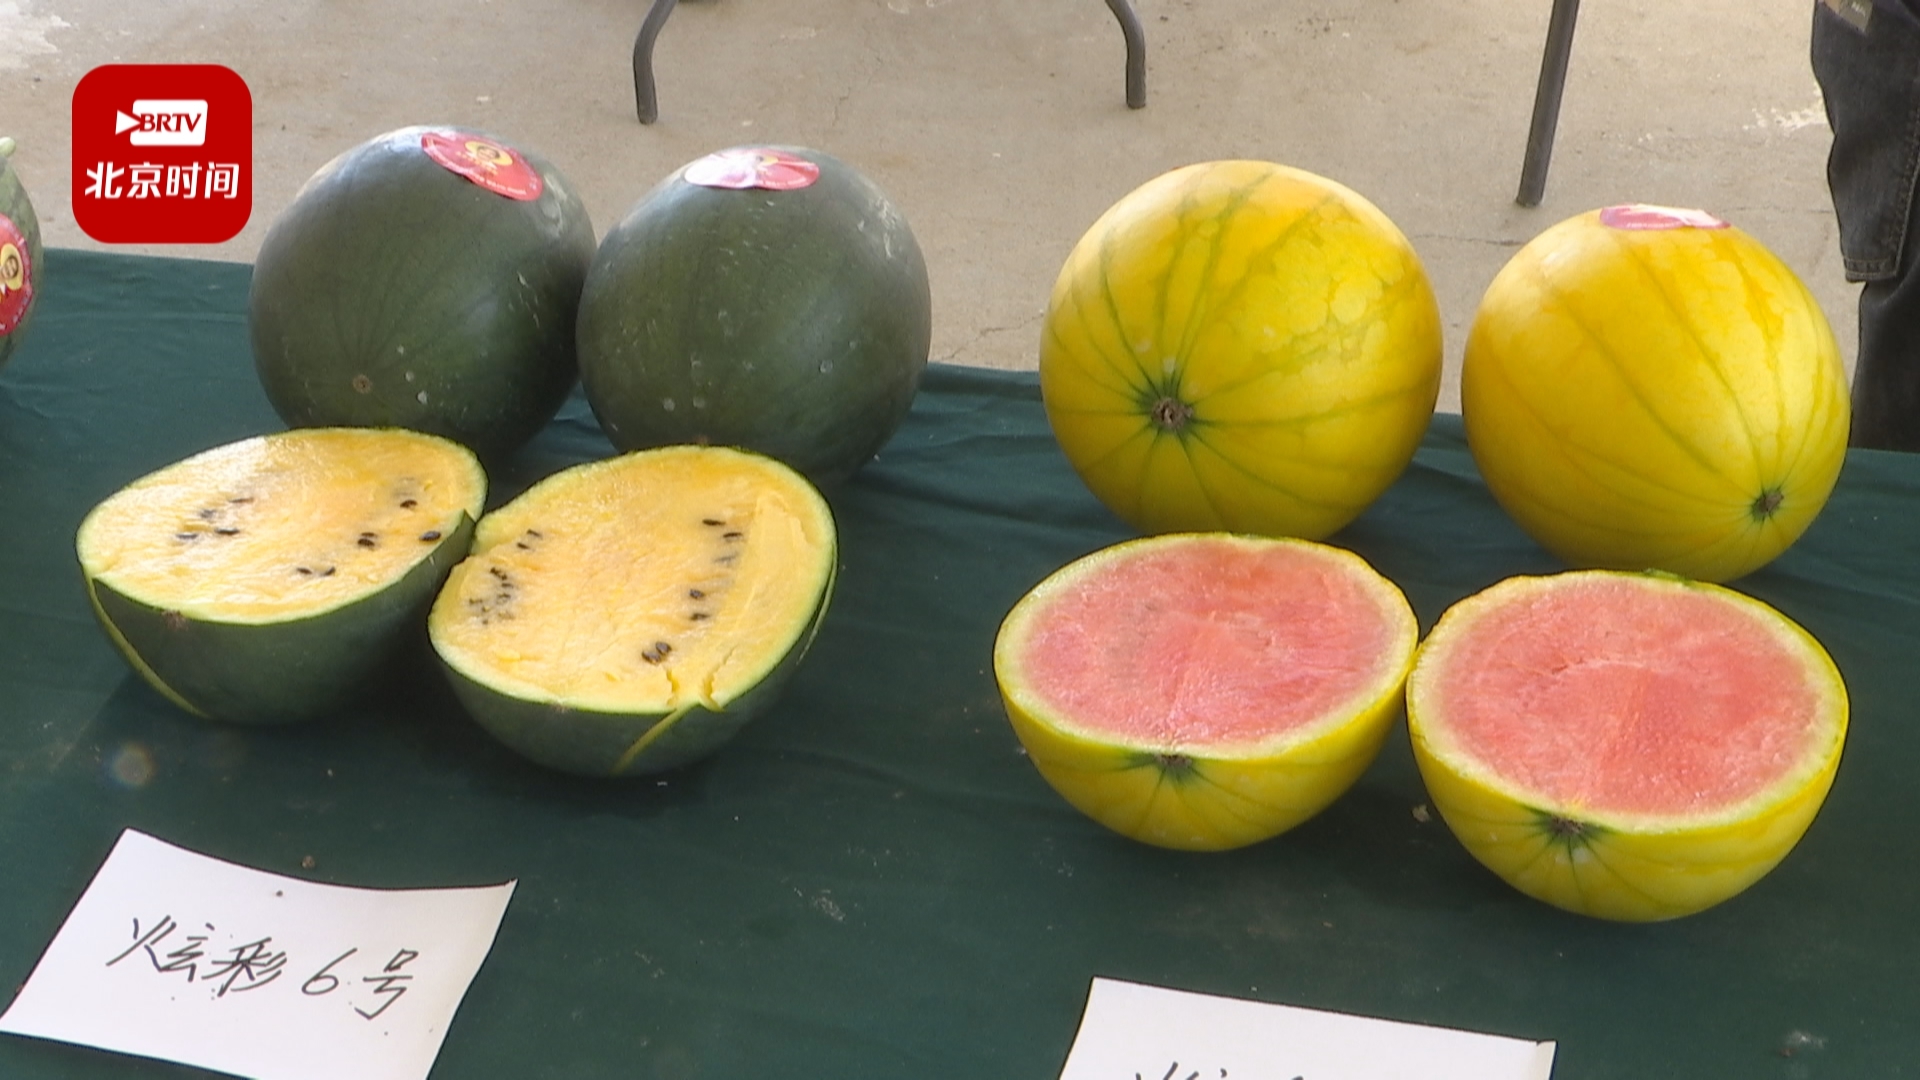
(873, 883)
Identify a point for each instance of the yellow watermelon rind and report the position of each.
(1204, 798)
(1619, 866)
(1628, 437)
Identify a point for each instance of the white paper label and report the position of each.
(173, 955)
(1136, 1032)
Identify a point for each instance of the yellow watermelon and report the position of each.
(1646, 387)
(1241, 346)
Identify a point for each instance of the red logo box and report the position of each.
(162, 153)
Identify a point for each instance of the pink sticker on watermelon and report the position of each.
(16, 276)
(500, 169)
(752, 167)
(1643, 216)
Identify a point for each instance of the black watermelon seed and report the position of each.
(662, 648)
(430, 535)
(227, 530)
(207, 513)
(186, 536)
(303, 571)
(535, 533)
(240, 499)
(735, 535)
(408, 504)
(328, 572)
(696, 594)
(699, 616)
(367, 542)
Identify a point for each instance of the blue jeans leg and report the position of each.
(1871, 83)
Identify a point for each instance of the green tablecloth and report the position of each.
(873, 882)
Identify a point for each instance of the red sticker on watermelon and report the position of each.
(499, 169)
(16, 276)
(1643, 216)
(752, 167)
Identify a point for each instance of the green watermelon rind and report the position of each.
(793, 323)
(280, 671)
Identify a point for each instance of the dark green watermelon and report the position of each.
(428, 278)
(19, 256)
(770, 298)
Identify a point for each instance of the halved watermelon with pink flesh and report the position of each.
(1629, 746)
(1205, 690)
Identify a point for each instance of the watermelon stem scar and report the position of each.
(1170, 414)
(1569, 832)
(1769, 501)
(1175, 766)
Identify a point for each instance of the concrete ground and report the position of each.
(1000, 126)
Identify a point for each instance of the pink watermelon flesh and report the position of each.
(1207, 644)
(1621, 699)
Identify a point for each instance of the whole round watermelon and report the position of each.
(770, 298)
(427, 278)
(1241, 346)
(19, 255)
(1650, 387)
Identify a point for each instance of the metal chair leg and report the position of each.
(1136, 52)
(645, 101)
(1546, 101)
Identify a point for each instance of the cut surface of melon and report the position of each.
(1206, 691)
(641, 584)
(1627, 697)
(1630, 746)
(282, 526)
(1211, 644)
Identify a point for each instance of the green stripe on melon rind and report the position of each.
(132, 657)
(1584, 462)
(591, 742)
(1411, 287)
(1497, 370)
(1056, 351)
(1711, 360)
(1102, 256)
(275, 672)
(1649, 403)
(1205, 314)
(1312, 778)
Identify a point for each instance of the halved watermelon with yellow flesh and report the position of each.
(1633, 746)
(266, 580)
(1206, 691)
(631, 615)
